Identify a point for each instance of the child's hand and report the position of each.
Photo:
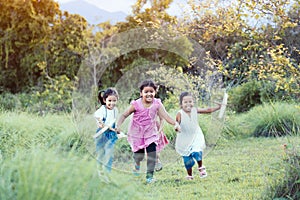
(160, 130)
(118, 130)
(101, 125)
(177, 127)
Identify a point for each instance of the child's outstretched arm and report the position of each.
(161, 124)
(162, 113)
(123, 116)
(209, 110)
(178, 117)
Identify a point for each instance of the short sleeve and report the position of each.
(135, 104)
(99, 114)
(158, 103)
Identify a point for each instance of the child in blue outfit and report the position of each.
(106, 136)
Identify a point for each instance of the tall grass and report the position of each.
(23, 131)
(278, 119)
(45, 174)
(267, 120)
(289, 187)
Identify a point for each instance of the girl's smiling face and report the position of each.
(111, 102)
(148, 94)
(187, 103)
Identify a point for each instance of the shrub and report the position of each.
(9, 101)
(247, 95)
(242, 98)
(56, 96)
(267, 120)
(171, 103)
(270, 120)
(122, 152)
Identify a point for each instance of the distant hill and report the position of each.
(91, 13)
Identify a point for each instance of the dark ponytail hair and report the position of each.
(183, 94)
(103, 94)
(147, 83)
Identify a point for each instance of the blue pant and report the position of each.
(189, 160)
(105, 148)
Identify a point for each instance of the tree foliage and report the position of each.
(247, 40)
(34, 32)
(146, 35)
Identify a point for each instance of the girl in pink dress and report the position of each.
(142, 131)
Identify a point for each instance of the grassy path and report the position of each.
(240, 169)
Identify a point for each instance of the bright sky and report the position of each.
(121, 5)
(109, 5)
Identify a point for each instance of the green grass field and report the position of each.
(237, 169)
(48, 158)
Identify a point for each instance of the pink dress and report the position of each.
(162, 141)
(142, 130)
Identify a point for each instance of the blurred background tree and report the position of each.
(246, 41)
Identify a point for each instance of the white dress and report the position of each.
(190, 138)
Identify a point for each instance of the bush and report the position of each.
(247, 95)
(171, 103)
(54, 97)
(271, 120)
(242, 98)
(9, 101)
(122, 152)
(267, 120)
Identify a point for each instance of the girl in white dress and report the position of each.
(190, 142)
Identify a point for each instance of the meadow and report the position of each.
(51, 157)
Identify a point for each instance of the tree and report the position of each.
(65, 48)
(24, 25)
(34, 32)
(263, 55)
(149, 34)
(244, 50)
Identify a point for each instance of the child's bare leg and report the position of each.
(201, 168)
(199, 163)
(189, 163)
(198, 158)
